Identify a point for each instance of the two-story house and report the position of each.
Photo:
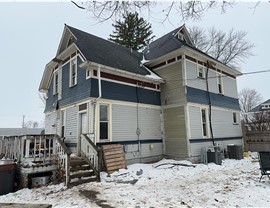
(171, 99)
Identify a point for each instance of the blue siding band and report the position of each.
(201, 97)
(215, 139)
(116, 91)
(147, 141)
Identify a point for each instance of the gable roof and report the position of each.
(259, 107)
(107, 53)
(171, 42)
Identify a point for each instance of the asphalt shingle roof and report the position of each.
(259, 107)
(108, 53)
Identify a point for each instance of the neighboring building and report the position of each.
(259, 117)
(20, 131)
(155, 103)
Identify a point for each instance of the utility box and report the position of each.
(235, 151)
(7, 176)
(214, 155)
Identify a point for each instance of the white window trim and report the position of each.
(203, 71)
(74, 60)
(55, 88)
(220, 78)
(236, 117)
(63, 122)
(109, 122)
(207, 122)
(89, 73)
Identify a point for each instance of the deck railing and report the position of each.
(91, 152)
(64, 157)
(30, 148)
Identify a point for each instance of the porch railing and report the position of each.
(29, 148)
(91, 152)
(64, 157)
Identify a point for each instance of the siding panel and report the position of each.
(175, 132)
(72, 124)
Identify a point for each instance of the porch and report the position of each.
(39, 155)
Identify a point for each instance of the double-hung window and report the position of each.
(63, 123)
(235, 120)
(55, 82)
(201, 72)
(73, 73)
(104, 121)
(220, 84)
(204, 122)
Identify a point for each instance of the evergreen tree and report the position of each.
(133, 32)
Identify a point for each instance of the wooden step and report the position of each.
(87, 180)
(77, 162)
(82, 174)
(78, 168)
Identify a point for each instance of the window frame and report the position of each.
(63, 123)
(206, 122)
(71, 76)
(56, 82)
(203, 71)
(109, 122)
(235, 118)
(220, 84)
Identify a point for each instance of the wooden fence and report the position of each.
(256, 141)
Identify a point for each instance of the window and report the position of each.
(88, 73)
(204, 122)
(220, 87)
(104, 123)
(201, 72)
(55, 82)
(63, 123)
(73, 73)
(235, 120)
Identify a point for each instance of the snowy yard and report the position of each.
(233, 184)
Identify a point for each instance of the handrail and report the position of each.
(62, 144)
(92, 153)
(64, 157)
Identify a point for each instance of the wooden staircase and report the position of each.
(81, 171)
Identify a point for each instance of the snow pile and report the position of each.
(168, 183)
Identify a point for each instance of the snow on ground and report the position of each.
(179, 184)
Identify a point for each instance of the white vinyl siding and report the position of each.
(222, 123)
(229, 85)
(50, 122)
(124, 123)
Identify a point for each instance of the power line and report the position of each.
(214, 77)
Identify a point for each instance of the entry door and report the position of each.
(83, 123)
(82, 129)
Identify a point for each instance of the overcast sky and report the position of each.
(31, 32)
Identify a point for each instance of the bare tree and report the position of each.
(259, 121)
(248, 99)
(31, 124)
(229, 48)
(105, 10)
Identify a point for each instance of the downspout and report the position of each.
(95, 103)
(138, 130)
(210, 104)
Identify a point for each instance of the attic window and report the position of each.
(181, 37)
(70, 41)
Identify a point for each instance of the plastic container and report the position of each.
(7, 176)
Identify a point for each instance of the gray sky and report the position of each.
(31, 32)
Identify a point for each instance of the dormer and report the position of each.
(183, 35)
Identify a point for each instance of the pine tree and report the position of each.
(133, 32)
